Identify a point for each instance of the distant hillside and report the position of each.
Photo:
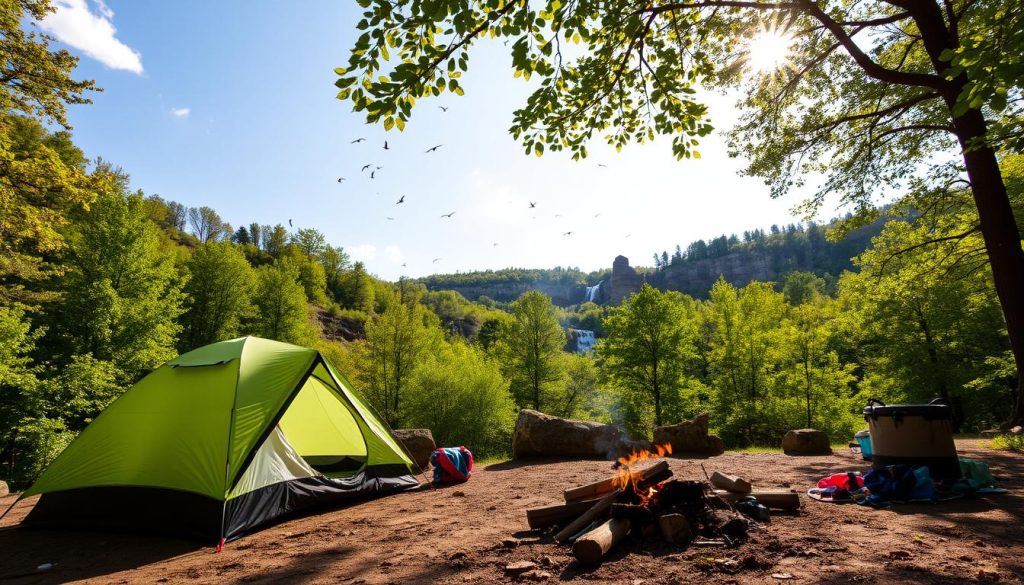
(759, 255)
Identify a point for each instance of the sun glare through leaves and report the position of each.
(768, 51)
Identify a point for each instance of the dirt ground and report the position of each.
(456, 534)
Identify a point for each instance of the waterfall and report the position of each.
(584, 340)
(592, 293)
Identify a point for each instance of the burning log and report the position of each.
(780, 499)
(557, 514)
(637, 514)
(730, 483)
(605, 486)
(675, 529)
(598, 510)
(592, 546)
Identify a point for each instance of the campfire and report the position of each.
(644, 499)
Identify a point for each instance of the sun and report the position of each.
(768, 51)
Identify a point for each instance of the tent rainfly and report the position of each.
(218, 441)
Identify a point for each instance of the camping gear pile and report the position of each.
(218, 441)
(648, 502)
(913, 457)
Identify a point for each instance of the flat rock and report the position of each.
(519, 567)
(4, 490)
(537, 433)
(806, 442)
(419, 443)
(690, 436)
(990, 434)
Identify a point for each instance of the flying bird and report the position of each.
(627, 235)
(533, 204)
(358, 140)
(494, 244)
(443, 109)
(386, 145)
(391, 218)
(289, 223)
(568, 233)
(434, 260)
(602, 165)
(401, 200)
(403, 264)
(373, 174)
(340, 179)
(432, 148)
(366, 166)
(597, 215)
(448, 214)
(558, 215)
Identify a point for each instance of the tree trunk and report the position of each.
(998, 227)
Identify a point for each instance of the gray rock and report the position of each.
(1017, 430)
(690, 436)
(4, 490)
(990, 434)
(537, 433)
(806, 442)
(624, 280)
(419, 443)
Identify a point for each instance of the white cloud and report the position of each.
(363, 252)
(75, 24)
(181, 112)
(394, 253)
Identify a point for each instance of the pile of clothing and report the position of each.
(902, 484)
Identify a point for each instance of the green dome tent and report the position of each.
(220, 440)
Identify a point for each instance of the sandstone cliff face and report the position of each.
(624, 281)
(561, 295)
(696, 278)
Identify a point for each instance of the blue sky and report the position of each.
(231, 104)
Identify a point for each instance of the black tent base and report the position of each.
(151, 510)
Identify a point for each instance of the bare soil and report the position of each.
(469, 533)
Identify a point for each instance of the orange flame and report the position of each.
(627, 476)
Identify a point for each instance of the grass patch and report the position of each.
(836, 448)
(491, 460)
(1008, 442)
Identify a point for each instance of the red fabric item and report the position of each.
(842, 481)
(449, 469)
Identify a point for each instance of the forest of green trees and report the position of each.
(99, 284)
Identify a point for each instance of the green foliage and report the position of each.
(582, 396)
(460, 394)
(650, 339)
(75, 394)
(219, 292)
(121, 294)
(42, 181)
(1008, 442)
(281, 311)
(396, 341)
(33, 79)
(531, 349)
(37, 442)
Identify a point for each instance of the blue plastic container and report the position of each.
(864, 440)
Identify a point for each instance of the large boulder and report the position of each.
(690, 436)
(419, 443)
(537, 433)
(4, 490)
(806, 442)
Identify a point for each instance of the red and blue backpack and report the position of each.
(451, 464)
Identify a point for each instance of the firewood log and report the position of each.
(600, 488)
(784, 500)
(557, 514)
(730, 483)
(598, 510)
(590, 548)
(675, 529)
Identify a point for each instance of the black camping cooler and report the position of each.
(913, 434)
